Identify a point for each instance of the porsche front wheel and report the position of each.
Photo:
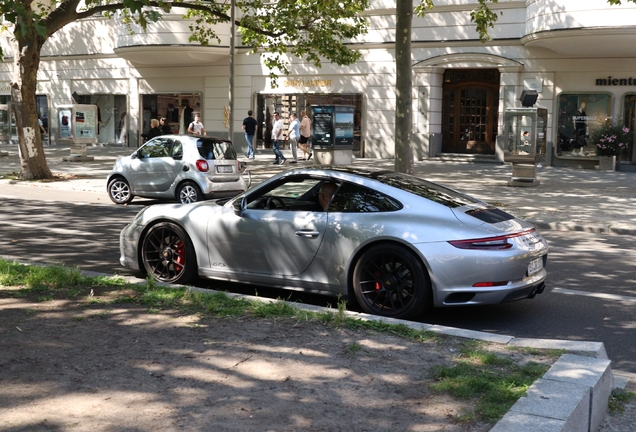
(168, 255)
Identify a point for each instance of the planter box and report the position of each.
(607, 163)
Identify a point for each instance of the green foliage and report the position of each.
(618, 399)
(316, 30)
(311, 29)
(494, 382)
(482, 16)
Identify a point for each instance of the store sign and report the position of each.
(307, 83)
(609, 81)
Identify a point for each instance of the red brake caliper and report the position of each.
(378, 286)
(180, 261)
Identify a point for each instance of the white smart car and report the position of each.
(180, 167)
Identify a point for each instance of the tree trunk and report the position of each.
(23, 89)
(403, 88)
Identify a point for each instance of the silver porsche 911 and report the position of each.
(394, 242)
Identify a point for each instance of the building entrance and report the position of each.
(469, 108)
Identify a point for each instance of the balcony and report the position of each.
(165, 43)
(590, 28)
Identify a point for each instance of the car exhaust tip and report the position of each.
(536, 290)
(541, 288)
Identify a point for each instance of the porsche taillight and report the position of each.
(489, 243)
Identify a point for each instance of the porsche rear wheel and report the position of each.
(391, 281)
(168, 255)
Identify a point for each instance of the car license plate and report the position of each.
(535, 266)
(224, 169)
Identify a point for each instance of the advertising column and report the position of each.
(78, 127)
(332, 134)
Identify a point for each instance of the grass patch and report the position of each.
(618, 399)
(491, 381)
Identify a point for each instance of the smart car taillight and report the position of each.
(202, 165)
(489, 243)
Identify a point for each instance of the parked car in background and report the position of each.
(178, 167)
(394, 242)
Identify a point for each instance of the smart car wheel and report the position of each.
(188, 193)
(390, 280)
(119, 191)
(168, 255)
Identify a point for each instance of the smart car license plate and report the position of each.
(535, 266)
(224, 169)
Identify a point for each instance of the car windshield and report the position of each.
(216, 150)
(434, 192)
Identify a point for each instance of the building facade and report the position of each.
(579, 55)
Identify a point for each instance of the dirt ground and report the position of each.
(71, 366)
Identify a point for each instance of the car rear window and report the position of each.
(432, 191)
(216, 150)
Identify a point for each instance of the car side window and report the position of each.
(177, 149)
(293, 194)
(353, 198)
(157, 148)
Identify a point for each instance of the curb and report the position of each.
(619, 229)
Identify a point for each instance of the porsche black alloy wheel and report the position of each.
(168, 254)
(390, 280)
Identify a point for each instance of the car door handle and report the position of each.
(307, 233)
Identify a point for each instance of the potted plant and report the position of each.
(610, 139)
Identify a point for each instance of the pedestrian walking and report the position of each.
(305, 134)
(250, 126)
(154, 129)
(294, 134)
(196, 127)
(277, 136)
(164, 126)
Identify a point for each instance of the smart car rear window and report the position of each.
(432, 191)
(216, 150)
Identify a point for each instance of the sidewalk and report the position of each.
(566, 199)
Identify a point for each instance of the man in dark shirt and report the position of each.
(250, 126)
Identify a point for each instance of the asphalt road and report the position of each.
(589, 295)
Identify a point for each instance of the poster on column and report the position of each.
(85, 123)
(344, 125)
(64, 116)
(322, 125)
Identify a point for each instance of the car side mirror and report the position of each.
(239, 206)
(134, 155)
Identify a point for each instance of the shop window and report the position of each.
(177, 108)
(285, 104)
(7, 120)
(579, 115)
(629, 119)
(112, 119)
